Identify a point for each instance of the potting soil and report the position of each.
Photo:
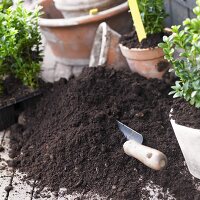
(130, 40)
(186, 114)
(71, 138)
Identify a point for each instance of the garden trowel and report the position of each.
(133, 147)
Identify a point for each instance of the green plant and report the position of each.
(4, 4)
(187, 64)
(20, 39)
(153, 15)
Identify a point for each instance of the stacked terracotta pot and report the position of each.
(77, 8)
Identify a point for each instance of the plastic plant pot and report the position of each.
(9, 112)
(189, 142)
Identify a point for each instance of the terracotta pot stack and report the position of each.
(77, 8)
(71, 39)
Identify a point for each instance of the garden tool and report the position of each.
(133, 147)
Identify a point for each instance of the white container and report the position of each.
(189, 141)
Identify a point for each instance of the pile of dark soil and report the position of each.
(71, 138)
(130, 40)
(186, 114)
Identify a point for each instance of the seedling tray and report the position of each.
(10, 111)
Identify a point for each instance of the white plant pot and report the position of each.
(189, 141)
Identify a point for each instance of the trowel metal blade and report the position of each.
(129, 133)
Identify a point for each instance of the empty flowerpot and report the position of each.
(105, 50)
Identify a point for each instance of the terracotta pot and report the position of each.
(77, 8)
(189, 141)
(105, 50)
(71, 39)
(145, 61)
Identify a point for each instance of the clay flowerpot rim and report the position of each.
(142, 54)
(84, 19)
(139, 49)
(73, 5)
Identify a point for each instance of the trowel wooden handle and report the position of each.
(150, 157)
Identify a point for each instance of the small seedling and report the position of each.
(187, 65)
(152, 16)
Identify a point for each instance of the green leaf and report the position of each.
(193, 94)
(165, 39)
(172, 92)
(177, 95)
(186, 64)
(153, 15)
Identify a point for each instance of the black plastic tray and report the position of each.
(9, 113)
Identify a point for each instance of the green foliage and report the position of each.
(19, 44)
(187, 65)
(4, 4)
(153, 15)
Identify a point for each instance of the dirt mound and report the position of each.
(71, 138)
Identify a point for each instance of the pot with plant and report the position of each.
(20, 57)
(185, 113)
(140, 47)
